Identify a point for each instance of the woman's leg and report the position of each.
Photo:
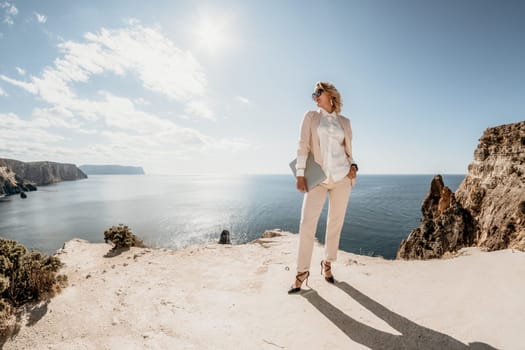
(338, 202)
(312, 205)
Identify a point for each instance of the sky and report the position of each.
(221, 87)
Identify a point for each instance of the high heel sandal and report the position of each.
(327, 267)
(299, 279)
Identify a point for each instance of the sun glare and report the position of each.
(213, 34)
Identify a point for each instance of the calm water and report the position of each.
(176, 211)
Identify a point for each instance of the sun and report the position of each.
(213, 34)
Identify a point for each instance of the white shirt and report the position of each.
(331, 137)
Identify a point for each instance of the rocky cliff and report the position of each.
(488, 208)
(17, 176)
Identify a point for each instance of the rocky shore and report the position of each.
(488, 208)
(17, 176)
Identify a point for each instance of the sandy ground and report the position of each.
(234, 297)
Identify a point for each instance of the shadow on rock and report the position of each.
(34, 313)
(413, 336)
(115, 252)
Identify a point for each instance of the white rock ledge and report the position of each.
(234, 297)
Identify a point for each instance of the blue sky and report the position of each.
(222, 86)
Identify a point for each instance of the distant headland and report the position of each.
(111, 169)
(18, 177)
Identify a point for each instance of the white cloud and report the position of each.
(160, 65)
(10, 8)
(243, 99)
(30, 150)
(120, 112)
(10, 11)
(26, 86)
(20, 71)
(128, 134)
(141, 101)
(132, 21)
(15, 128)
(234, 145)
(143, 52)
(52, 112)
(56, 117)
(40, 18)
(200, 109)
(88, 131)
(2, 92)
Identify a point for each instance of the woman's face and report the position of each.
(322, 99)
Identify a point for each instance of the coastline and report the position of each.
(219, 296)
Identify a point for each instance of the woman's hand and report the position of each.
(352, 173)
(301, 184)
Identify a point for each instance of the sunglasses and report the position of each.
(317, 93)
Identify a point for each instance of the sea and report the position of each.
(177, 211)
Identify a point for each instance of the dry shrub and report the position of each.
(25, 276)
(122, 238)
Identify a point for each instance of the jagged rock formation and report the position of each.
(17, 176)
(488, 208)
(111, 170)
(445, 226)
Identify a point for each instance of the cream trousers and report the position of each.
(313, 202)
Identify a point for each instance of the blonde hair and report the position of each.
(335, 96)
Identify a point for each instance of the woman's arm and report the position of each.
(352, 173)
(302, 152)
(304, 144)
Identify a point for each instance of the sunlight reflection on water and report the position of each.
(177, 211)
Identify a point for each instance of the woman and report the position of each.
(328, 136)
